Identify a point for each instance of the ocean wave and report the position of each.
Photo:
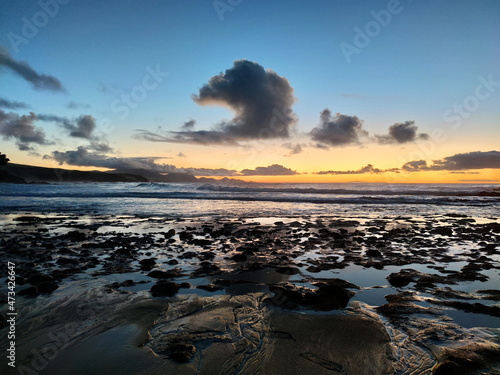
(388, 191)
(296, 198)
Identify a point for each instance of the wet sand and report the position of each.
(308, 295)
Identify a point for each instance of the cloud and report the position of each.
(24, 70)
(338, 130)
(4, 103)
(415, 166)
(74, 105)
(189, 125)
(321, 146)
(103, 146)
(458, 162)
(261, 100)
(81, 127)
(22, 129)
(294, 149)
(272, 170)
(404, 132)
(209, 172)
(84, 157)
(203, 137)
(369, 168)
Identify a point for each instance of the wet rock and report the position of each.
(210, 287)
(181, 351)
(157, 274)
(46, 287)
(288, 270)
(326, 297)
(76, 236)
(147, 262)
(373, 253)
(448, 368)
(169, 234)
(239, 257)
(334, 296)
(164, 288)
(124, 251)
(444, 231)
(399, 281)
(128, 283)
(38, 278)
(65, 260)
(30, 292)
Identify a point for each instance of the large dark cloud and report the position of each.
(404, 132)
(261, 100)
(22, 129)
(457, 162)
(338, 130)
(272, 170)
(10, 104)
(24, 70)
(81, 127)
(367, 169)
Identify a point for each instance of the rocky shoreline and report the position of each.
(427, 287)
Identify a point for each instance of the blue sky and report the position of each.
(428, 57)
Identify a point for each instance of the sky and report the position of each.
(283, 91)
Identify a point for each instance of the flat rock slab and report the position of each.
(241, 335)
(328, 344)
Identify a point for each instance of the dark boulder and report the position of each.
(164, 288)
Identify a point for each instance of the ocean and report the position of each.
(252, 199)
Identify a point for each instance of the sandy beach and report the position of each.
(304, 295)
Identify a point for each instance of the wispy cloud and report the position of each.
(294, 149)
(12, 104)
(75, 105)
(366, 169)
(24, 70)
(458, 162)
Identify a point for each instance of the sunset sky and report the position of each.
(281, 91)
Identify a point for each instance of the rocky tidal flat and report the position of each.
(381, 295)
